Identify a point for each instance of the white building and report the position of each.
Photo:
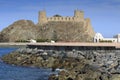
(118, 37)
(99, 38)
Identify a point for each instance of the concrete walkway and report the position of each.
(116, 45)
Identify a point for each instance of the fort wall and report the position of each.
(78, 17)
(63, 19)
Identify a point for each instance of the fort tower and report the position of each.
(42, 18)
(79, 15)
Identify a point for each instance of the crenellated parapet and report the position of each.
(78, 17)
(63, 19)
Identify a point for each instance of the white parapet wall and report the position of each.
(99, 38)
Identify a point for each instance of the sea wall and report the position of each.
(94, 64)
(65, 47)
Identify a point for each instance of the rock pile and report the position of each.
(74, 65)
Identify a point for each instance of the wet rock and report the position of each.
(76, 65)
(53, 77)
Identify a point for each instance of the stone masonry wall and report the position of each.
(78, 17)
(73, 19)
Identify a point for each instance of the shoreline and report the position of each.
(75, 64)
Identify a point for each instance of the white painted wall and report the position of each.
(98, 37)
(111, 39)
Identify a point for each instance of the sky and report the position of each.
(104, 14)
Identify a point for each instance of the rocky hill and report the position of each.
(68, 31)
(19, 30)
(59, 31)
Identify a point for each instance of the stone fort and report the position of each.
(78, 17)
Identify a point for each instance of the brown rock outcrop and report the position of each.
(68, 31)
(19, 30)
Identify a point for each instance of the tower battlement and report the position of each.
(78, 17)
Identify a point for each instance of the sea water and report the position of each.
(9, 72)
